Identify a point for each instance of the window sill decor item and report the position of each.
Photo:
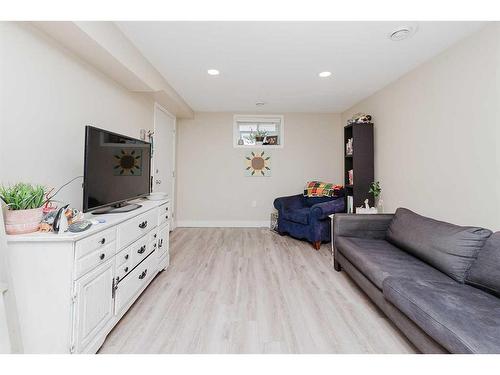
(271, 140)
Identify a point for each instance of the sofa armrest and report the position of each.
(321, 211)
(292, 201)
(361, 226)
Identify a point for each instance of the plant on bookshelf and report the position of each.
(376, 190)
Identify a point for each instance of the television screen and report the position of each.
(117, 168)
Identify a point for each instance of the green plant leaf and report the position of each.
(23, 196)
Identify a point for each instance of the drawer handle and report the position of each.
(143, 274)
(126, 269)
(166, 216)
(154, 235)
(154, 245)
(142, 249)
(102, 241)
(143, 225)
(126, 256)
(160, 243)
(102, 256)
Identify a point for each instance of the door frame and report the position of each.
(159, 107)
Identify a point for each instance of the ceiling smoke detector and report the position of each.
(402, 33)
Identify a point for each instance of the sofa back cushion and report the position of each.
(311, 201)
(485, 271)
(450, 248)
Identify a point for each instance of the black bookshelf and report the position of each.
(361, 163)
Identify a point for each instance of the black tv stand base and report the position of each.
(117, 209)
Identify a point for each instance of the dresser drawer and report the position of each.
(135, 281)
(93, 259)
(138, 251)
(153, 236)
(164, 214)
(122, 270)
(136, 227)
(124, 256)
(96, 241)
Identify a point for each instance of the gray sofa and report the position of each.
(438, 282)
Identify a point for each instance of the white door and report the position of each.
(94, 304)
(164, 153)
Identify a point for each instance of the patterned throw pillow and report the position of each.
(321, 189)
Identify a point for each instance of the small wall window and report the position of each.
(258, 130)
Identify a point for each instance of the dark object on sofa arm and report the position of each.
(308, 218)
(432, 279)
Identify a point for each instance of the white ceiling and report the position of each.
(279, 62)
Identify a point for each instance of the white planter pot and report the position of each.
(23, 221)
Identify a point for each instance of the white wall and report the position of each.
(211, 186)
(436, 134)
(47, 96)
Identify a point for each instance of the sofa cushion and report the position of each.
(461, 318)
(378, 259)
(485, 271)
(311, 201)
(448, 247)
(297, 215)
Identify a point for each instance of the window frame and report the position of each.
(249, 118)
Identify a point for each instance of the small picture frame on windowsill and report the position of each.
(271, 140)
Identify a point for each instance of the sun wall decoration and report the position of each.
(128, 163)
(258, 164)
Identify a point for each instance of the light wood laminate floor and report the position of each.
(239, 290)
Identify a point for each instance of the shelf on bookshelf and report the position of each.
(349, 186)
(349, 156)
(353, 123)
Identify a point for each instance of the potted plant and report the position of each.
(376, 190)
(258, 136)
(24, 207)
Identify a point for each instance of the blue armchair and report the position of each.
(307, 218)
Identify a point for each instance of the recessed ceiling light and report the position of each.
(213, 72)
(325, 74)
(402, 33)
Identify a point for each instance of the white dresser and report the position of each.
(71, 289)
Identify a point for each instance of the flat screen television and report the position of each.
(117, 169)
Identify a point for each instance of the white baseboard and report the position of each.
(222, 224)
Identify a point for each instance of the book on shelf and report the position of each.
(350, 175)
